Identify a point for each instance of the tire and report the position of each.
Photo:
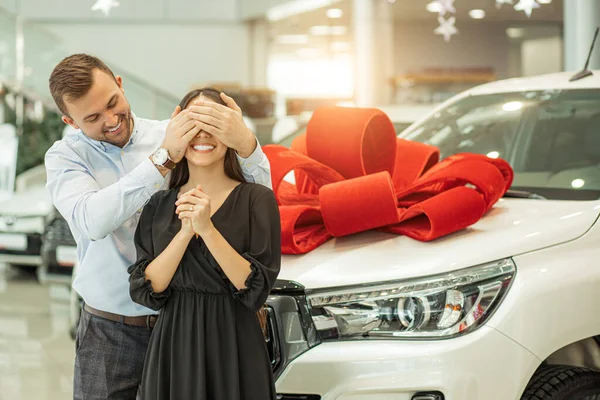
(24, 271)
(558, 382)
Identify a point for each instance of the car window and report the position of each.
(487, 126)
(401, 126)
(551, 139)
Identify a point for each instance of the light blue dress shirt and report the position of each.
(100, 189)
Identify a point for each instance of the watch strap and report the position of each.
(170, 164)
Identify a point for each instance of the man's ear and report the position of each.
(119, 80)
(69, 121)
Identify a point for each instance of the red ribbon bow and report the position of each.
(353, 174)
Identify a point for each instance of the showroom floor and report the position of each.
(36, 351)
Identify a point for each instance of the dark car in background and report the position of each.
(59, 252)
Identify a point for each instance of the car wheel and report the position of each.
(26, 271)
(559, 382)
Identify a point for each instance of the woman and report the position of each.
(208, 255)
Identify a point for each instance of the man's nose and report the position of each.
(112, 120)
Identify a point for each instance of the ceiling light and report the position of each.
(334, 13)
(544, 1)
(337, 30)
(292, 39)
(515, 33)
(296, 7)
(308, 52)
(324, 30)
(340, 46)
(578, 183)
(319, 30)
(493, 154)
(105, 6)
(434, 7)
(477, 14)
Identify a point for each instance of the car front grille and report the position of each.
(272, 340)
(58, 232)
(291, 331)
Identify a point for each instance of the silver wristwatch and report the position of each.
(161, 158)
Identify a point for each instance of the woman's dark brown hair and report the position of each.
(181, 174)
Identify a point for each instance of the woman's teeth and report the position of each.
(203, 147)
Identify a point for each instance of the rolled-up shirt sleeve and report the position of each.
(95, 211)
(256, 168)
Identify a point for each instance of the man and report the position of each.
(99, 179)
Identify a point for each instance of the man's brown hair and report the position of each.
(73, 77)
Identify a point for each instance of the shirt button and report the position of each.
(140, 210)
(157, 186)
(122, 153)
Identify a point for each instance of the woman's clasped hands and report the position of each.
(193, 209)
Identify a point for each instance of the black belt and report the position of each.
(143, 320)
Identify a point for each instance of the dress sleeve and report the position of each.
(264, 253)
(140, 289)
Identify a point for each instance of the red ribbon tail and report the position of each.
(445, 213)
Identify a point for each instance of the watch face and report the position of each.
(160, 156)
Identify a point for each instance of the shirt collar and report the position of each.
(96, 143)
(136, 128)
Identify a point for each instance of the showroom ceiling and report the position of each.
(316, 29)
(416, 9)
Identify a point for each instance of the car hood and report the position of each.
(512, 227)
(32, 202)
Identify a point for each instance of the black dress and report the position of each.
(207, 343)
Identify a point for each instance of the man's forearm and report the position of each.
(256, 168)
(107, 210)
(98, 212)
(248, 146)
(163, 171)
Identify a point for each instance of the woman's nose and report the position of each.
(204, 134)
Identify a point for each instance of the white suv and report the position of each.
(23, 218)
(503, 310)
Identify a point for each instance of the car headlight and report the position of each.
(431, 307)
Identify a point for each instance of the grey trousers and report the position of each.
(109, 359)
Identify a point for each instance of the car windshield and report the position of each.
(551, 138)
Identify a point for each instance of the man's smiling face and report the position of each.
(103, 113)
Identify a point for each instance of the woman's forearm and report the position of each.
(161, 270)
(236, 267)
